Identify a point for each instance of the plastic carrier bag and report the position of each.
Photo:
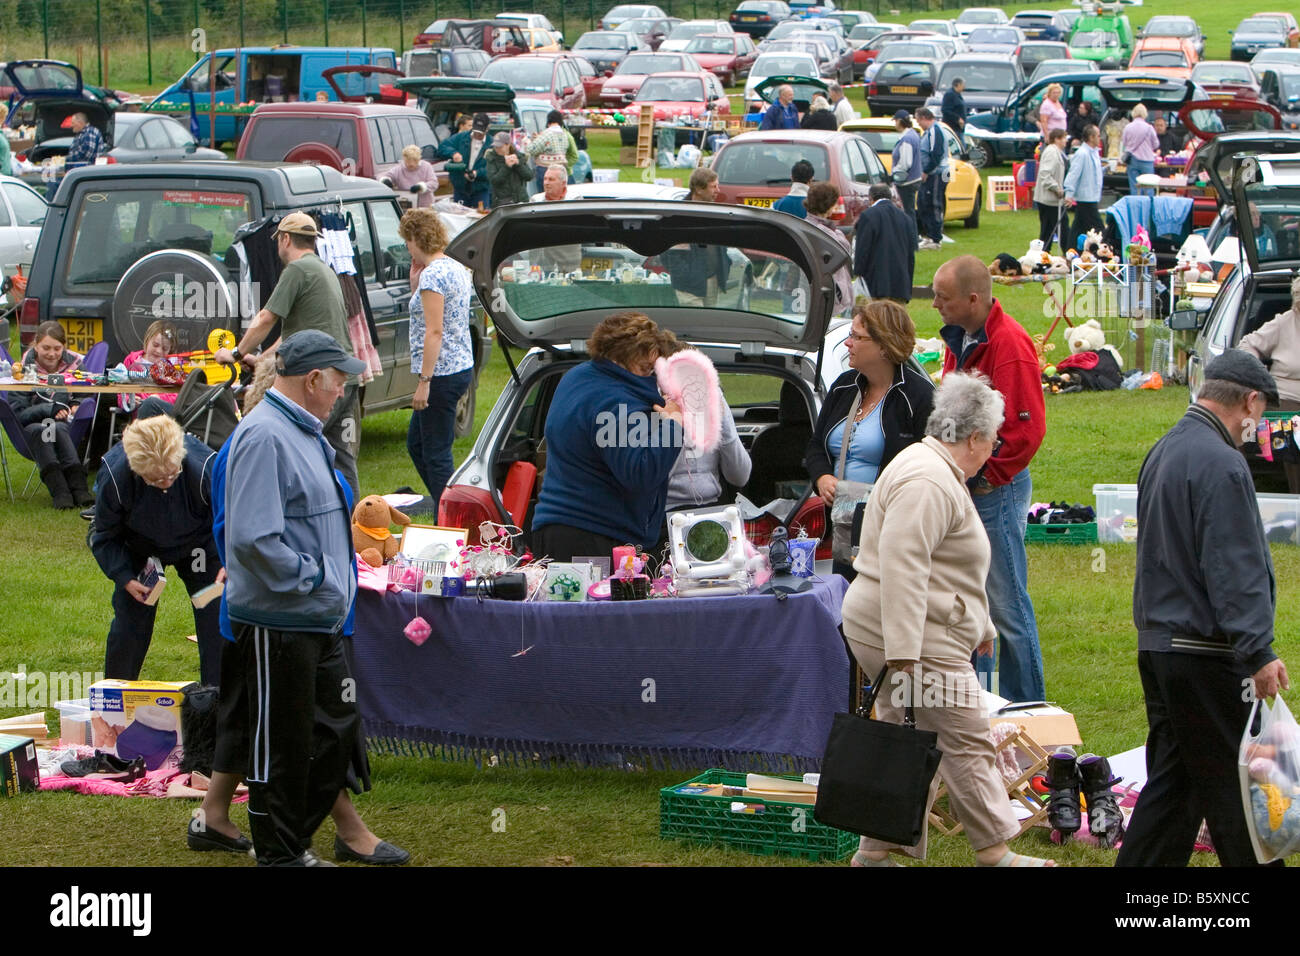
(1268, 766)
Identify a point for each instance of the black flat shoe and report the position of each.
(385, 854)
(204, 839)
(104, 766)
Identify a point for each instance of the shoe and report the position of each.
(201, 839)
(1105, 821)
(1063, 792)
(929, 245)
(309, 858)
(105, 766)
(76, 477)
(385, 854)
(55, 480)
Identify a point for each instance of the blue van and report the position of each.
(263, 74)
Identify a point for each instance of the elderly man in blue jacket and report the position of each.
(290, 588)
(782, 114)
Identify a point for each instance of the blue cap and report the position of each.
(313, 349)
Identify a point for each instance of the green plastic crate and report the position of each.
(1061, 533)
(785, 828)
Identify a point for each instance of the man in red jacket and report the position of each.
(980, 337)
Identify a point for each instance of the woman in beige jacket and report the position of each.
(1049, 189)
(924, 546)
(1277, 342)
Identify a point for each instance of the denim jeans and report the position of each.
(432, 431)
(1136, 168)
(930, 207)
(1004, 512)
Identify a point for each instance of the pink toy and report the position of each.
(417, 631)
(689, 379)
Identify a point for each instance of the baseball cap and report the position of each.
(298, 223)
(481, 123)
(313, 349)
(1235, 365)
(501, 139)
(902, 116)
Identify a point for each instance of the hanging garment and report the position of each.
(358, 330)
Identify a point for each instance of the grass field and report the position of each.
(54, 613)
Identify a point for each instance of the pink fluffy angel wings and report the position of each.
(689, 379)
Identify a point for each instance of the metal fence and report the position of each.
(146, 44)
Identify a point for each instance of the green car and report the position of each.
(1107, 39)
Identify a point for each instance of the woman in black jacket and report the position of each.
(888, 399)
(819, 116)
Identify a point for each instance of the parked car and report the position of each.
(903, 84)
(687, 30)
(540, 41)
(799, 64)
(620, 87)
(787, 28)
(543, 77)
(490, 36)
(1257, 33)
(999, 41)
(651, 31)
(444, 61)
(758, 17)
(683, 96)
(628, 11)
(1168, 56)
(1259, 289)
(973, 17)
(990, 81)
(860, 38)
(1289, 21)
(807, 11)
(1279, 86)
(1209, 173)
(46, 93)
(22, 213)
(830, 65)
(1042, 25)
(114, 232)
(1061, 67)
(535, 21)
(1106, 38)
(942, 27)
(1034, 52)
(1226, 78)
(1180, 27)
(728, 57)
(920, 49)
(754, 168)
(606, 49)
(868, 52)
(851, 18)
(592, 81)
(761, 349)
(964, 192)
(142, 138)
(1277, 56)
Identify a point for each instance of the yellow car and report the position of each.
(540, 41)
(964, 189)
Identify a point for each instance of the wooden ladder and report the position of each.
(645, 136)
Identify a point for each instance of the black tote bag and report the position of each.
(876, 776)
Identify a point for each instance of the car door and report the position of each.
(390, 299)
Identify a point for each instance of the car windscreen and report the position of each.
(979, 16)
(643, 64)
(1217, 73)
(768, 164)
(692, 30)
(671, 88)
(1034, 21)
(1094, 40)
(866, 31)
(979, 77)
(905, 71)
(770, 64)
(625, 13)
(1159, 58)
(1244, 120)
(115, 228)
(1289, 84)
(1264, 25)
(523, 76)
(1169, 27)
(271, 137)
(608, 40)
(881, 141)
(1055, 68)
(908, 51)
(994, 35)
(707, 44)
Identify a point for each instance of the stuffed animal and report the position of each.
(1032, 260)
(1089, 337)
(1005, 265)
(373, 542)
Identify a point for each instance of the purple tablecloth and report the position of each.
(742, 682)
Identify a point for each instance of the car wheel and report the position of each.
(977, 155)
(465, 410)
(973, 220)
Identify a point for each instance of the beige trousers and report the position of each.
(946, 700)
(709, 300)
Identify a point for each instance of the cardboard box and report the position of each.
(18, 770)
(138, 719)
(627, 156)
(1049, 726)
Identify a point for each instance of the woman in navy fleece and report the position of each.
(610, 447)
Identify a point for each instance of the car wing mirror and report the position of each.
(1186, 320)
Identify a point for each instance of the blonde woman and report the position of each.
(1138, 146)
(1051, 115)
(414, 175)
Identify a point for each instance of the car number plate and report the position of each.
(82, 333)
(902, 89)
(749, 19)
(759, 201)
(590, 264)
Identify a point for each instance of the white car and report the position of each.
(684, 33)
(777, 63)
(22, 213)
(973, 17)
(536, 21)
(629, 11)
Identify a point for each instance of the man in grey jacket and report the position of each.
(1204, 599)
(290, 584)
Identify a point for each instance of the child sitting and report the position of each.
(45, 415)
(159, 342)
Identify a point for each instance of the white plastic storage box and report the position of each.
(604, 175)
(1117, 509)
(74, 722)
(1281, 515)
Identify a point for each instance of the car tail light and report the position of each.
(764, 17)
(811, 519)
(871, 89)
(29, 316)
(464, 507)
(837, 211)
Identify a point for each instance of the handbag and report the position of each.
(850, 499)
(876, 776)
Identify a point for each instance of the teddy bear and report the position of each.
(371, 539)
(1074, 376)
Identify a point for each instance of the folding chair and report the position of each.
(14, 430)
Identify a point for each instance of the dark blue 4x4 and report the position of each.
(123, 244)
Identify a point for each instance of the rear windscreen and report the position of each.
(767, 164)
(980, 77)
(271, 138)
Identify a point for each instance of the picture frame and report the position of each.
(435, 543)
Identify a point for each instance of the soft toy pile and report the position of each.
(1092, 365)
(1272, 762)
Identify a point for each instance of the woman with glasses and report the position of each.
(154, 500)
(874, 410)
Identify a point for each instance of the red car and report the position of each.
(679, 95)
(727, 56)
(620, 87)
(541, 77)
(754, 168)
(592, 82)
(491, 36)
(1226, 78)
